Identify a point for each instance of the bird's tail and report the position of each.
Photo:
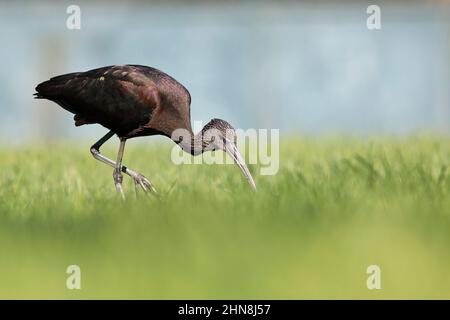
(53, 88)
(45, 90)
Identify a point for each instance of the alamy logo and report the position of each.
(374, 19)
(374, 278)
(74, 279)
(73, 21)
(262, 146)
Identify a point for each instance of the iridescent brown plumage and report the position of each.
(132, 101)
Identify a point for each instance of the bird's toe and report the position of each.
(145, 184)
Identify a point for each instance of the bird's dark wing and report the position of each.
(131, 100)
(117, 97)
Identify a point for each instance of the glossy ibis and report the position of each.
(132, 101)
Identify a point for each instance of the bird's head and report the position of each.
(216, 133)
(220, 135)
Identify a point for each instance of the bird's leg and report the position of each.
(117, 174)
(137, 177)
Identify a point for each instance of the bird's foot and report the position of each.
(145, 184)
(118, 178)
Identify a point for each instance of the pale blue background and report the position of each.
(302, 67)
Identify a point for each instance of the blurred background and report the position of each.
(310, 67)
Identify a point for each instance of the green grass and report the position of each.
(335, 207)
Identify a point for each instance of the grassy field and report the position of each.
(335, 207)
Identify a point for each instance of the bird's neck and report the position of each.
(194, 144)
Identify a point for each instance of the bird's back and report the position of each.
(131, 100)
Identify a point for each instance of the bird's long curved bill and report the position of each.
(233, 152)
